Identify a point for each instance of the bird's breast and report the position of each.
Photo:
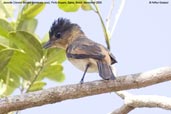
(82, 63)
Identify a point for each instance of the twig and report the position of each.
(117, 17)
(106, 34)
(41, 65)
(109, 14)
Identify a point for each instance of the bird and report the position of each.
(82, 52)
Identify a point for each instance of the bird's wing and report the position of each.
(85, 48)
(113, 60)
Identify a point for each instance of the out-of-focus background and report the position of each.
(141, 42)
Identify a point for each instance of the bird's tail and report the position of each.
(105, 71)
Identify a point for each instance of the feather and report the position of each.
(105, 71)
(60, 25)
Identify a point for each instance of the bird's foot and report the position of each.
(81, 81)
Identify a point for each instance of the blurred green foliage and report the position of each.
(24, 64)
(74, 5)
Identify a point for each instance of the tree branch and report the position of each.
(57, 94)
(125, 109)
(139, 101)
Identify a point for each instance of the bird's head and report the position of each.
(62, 33)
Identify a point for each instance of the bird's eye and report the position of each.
(58, 35)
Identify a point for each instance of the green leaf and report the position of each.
(86, 7)
(5, 28)
(38, 85)
(2, 88)
(4, 41)
(74, 5)
(28, 25)
(60, 77)
(5, 90)
(53, 72)
(8, 82)
(6, 10)
(5, 56)
(28, 43)
(32, 10)
(55, 55)
(22, 65)
(14, 80)
(69, 5)
(2, 46)
(10, 78)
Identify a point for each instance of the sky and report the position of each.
(141, 42)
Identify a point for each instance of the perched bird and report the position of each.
(82, 52)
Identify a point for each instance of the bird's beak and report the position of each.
(47, 45)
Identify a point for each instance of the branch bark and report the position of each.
(125, 109)
(139, 101)
(57, 94)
